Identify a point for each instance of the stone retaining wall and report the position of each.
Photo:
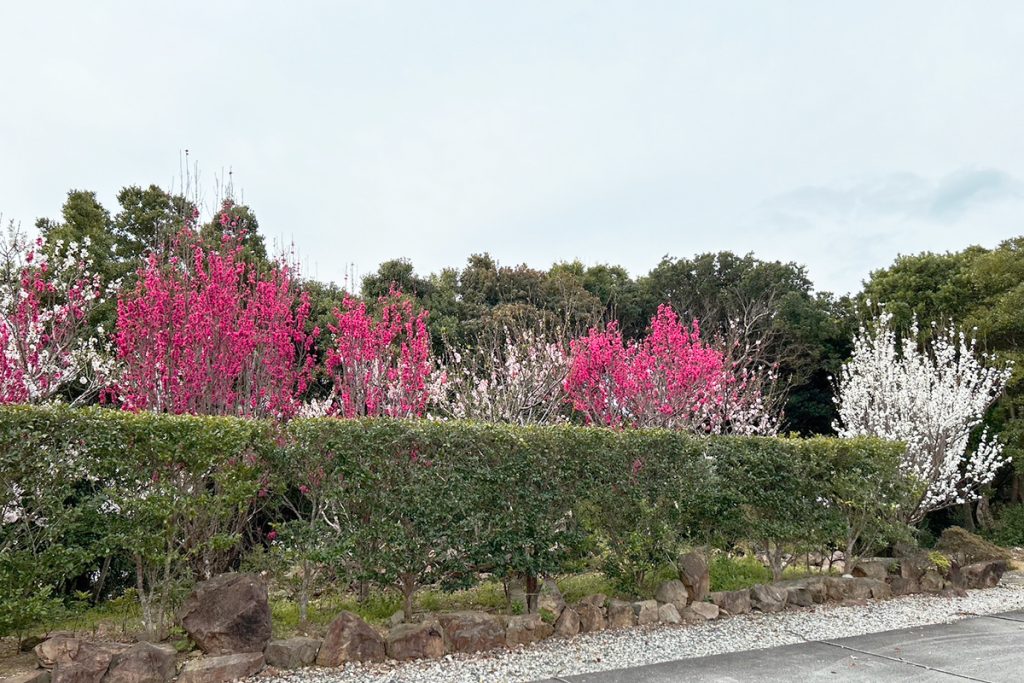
(229, 619)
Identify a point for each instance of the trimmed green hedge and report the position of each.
(406, 502)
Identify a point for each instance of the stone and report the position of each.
(597, 600)
(646, 612)
(471, 631)
(668, 614)
(416, 641)
(800, 596)
(768, 598)
(568, 623)
(142, 663)
(733, 602)
(221, 669)
(228, 614)
(591, 618)
(863, 588)
(76, 661)
(620, 614)
(874, 568)
(350, 639)
(526, 629)
(694, 573)
(902, 586)
(37, 676)
(931, 581)
(982, 574)
(708, 610)
(292, 653)
(550, 599)
(397, 618)
(672, 592)
(953, 592)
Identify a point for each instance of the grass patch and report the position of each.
(736, 573)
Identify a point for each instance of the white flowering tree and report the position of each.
(46, 343)
(514, 376)
(931, 397)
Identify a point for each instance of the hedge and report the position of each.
(156, 501)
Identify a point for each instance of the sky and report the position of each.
(835, 135)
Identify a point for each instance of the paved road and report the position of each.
(988, 649)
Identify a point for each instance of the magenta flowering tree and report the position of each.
(46, 346)
(379, 366)
(663, 380)
(204, 332)
(670, 379)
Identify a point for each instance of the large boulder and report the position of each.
(982, 574)
(591, 617)
(37, 676)
(694, 573)
(902, 586)
(142, 663)
(416, 641)
(768, 598)
(292, 653)
(668, 614)
(76, 661)
(874, 567)
(550, 599)
(472, 631)
(568, 623)
(800, 596)
(708, 610)
(350, 639)
(673, 593)
(646, 612)
(863, 588)
(932, 581)
(733, 602)
(525, 629)
(222, 669)
(620, 614)
(228, 614)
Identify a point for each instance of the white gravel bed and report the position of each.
(648, 645)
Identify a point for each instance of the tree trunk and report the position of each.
(969, 517)
(531, 593)
(408, 584)
(98, 590)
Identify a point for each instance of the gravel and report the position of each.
(648, 645)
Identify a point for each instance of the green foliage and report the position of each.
(735, 573)
(1009, 529)
(407, 504)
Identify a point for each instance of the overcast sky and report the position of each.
(611, 132)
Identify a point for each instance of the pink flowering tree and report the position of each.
(515, 375)
(379, 366)
(204, 332)
(670, 378)
(46, 345)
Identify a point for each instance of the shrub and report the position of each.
(735, 573)
(1009, 527)
(403, 503)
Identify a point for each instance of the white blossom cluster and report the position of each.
(50, 349)
(517, 378)
(931, 397)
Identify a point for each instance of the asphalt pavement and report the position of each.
(988, 648)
